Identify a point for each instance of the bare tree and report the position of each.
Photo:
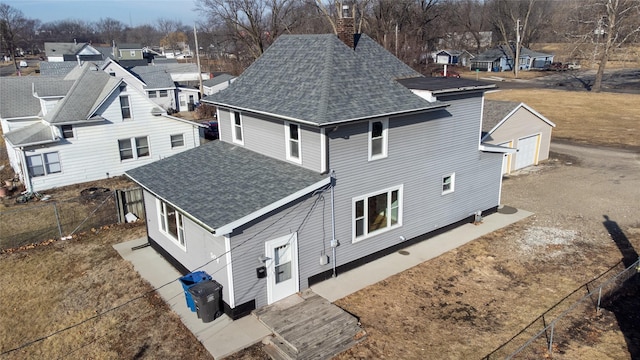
(253, 24)
(11, 21)
(110, 29)
(468, 18)
(607, 25)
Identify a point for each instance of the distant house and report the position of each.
(59, 52)
(130, 52)
(518, 126)
(453, 57)
(499, 59)
(332, 153)
(85, 126)
(466, 40)
(217, 83)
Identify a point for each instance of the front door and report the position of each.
(282, 267)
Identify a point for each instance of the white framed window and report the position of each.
(153, 94)
(134, 148)
(177, 140)
(43, 164)
(171, 223)
(292, 138)
(67, 131)
(236, 125)
(164, 93)
(125, 108)
(376, 213)
(378, 139)
(448, 183)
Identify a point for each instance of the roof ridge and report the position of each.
(326, 79)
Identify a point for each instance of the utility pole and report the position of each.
(195, 36)
(516, 61)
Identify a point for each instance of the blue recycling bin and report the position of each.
(189, 281)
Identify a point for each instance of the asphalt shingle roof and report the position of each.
(495, 111)
(90, 88)
(154, 76)
(37, 133)
(16, 94)
(317, 79)
(60, 68)
(218, 183)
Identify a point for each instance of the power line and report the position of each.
(311, 208)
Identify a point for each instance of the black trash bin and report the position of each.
(207, 296)
(190, 280)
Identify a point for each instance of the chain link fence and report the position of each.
(33, 223)
(568, 320)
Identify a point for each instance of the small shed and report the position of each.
(517, 125)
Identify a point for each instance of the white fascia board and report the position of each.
(228, 228)
(184, 121)
(425, 94)
(497, 149)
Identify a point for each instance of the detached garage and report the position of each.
(516, 125)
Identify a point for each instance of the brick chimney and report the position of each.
(346, 25)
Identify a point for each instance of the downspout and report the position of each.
(25, 174)
(334, 242)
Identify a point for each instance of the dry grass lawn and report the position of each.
(584, 117)
(50, 288)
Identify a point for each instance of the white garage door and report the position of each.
(527, 151)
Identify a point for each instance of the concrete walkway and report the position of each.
(375, 271)
(223, 337)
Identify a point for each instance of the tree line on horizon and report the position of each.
(408, 28)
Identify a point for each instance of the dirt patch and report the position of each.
(51, 289)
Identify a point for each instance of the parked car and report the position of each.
(211, 131)
(556, 66)
(23, 63)
(573, 66)
(450, 73)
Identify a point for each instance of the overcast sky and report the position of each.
(129, 12)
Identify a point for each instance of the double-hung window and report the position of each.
(134, 148)
(125, 108)
(67, 131)
(153, 94)
(378, 141)
(376, 213)
(448, 183)
(236, 125)
(43, 164)
(164, 93)
(292, 138)
(177, 140)
(171, 223)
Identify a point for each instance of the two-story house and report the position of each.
(332, 153)
(85, 126)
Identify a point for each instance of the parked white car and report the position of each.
(23, 63)
(573, 66)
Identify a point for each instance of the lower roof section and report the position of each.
(222, 186)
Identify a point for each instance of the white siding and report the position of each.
(94, 154)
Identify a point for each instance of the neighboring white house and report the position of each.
(217, 83)
(84, 127)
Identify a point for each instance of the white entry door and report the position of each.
(282, 267)
(527, 151)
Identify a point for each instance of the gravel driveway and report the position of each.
(577, 187)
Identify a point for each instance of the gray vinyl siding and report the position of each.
(267, 136)
(201, 246)
(314, 236)
(422, 149)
